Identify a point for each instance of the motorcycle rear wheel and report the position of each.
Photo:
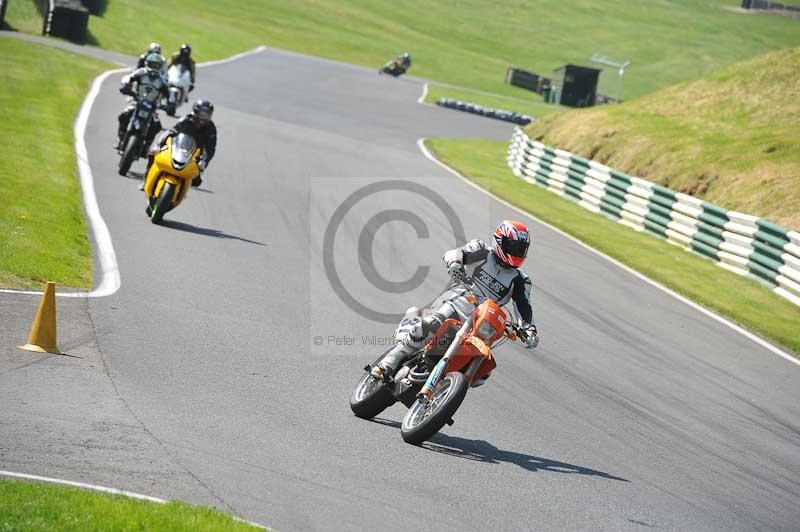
(370, 397)
(422, 420)
(162, 203)
(129, 155)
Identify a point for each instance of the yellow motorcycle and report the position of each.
(170, 176)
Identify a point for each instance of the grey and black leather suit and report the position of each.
(141, 62)
(491, 280)
(145, 84)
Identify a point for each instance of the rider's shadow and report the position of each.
(189, 228)
(483, 451)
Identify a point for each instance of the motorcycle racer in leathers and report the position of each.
(496, 275)
(151, 85)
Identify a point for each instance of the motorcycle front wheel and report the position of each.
(370, 397)
(128, 155)
(423, 420)
(162, 203)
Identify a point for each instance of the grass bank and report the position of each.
(526, 102)
(731, 138)
(469, 43)
(740, 299)
(34, 506)
(42, 222)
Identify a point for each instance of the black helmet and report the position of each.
(154, 61)
(186, 49)
(203, 111)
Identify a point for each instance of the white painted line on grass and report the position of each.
(233, 57)
(93, 487)
(760, 341)
(424, 94)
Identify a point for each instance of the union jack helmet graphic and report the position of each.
(511, 243)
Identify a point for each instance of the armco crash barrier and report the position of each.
(744, 244)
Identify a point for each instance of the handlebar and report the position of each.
(513, 330)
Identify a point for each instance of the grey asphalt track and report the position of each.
(201, 378)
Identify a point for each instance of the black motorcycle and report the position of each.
(133, 144)
(393, 68)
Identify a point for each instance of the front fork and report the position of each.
(439, 370)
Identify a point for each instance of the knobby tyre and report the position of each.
(370, 397)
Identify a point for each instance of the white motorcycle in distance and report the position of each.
(180, 80)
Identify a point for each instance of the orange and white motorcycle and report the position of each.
(170, 176)
(459, 357)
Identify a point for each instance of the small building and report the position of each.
(577, 85)
(522, 78)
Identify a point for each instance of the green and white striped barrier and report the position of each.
(744, 244)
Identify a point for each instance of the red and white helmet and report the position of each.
(511, 243)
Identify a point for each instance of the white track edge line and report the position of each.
(94, 487)
(110, 281)
(757, 339)
(256, 50)
(105, 489)
(421, 99)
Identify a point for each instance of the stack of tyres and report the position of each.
(497, 114)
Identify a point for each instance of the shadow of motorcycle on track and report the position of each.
(189, 228)
(483, 451)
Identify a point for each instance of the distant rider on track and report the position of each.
(184, 57)
(154, 48)
(403, 61)
(146, 83)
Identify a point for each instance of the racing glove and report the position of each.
(533, 336)
(456, 271)
(126, 90)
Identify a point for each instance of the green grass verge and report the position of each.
(23, 16)
(731, 138)
(526, 102)
(469, 43)
(740, 299)
(42, 223)
(35, 506)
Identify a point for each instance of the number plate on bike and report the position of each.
(144, 113)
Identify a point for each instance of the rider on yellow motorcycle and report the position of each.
(199, 125)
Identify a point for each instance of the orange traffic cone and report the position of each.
(43, 333)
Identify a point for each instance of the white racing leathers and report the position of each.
(491, 280)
